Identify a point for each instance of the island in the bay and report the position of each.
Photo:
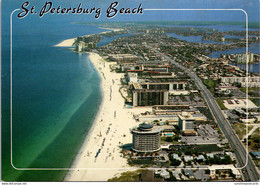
(171, 110)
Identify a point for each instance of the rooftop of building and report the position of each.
(137, 86)
(186, 116)
(171, 107)
(256, 154)
(189, 132)
(122, 55)
(221, 167)
(165, 80)
(146, 128)
(132, 74)
(150, 62)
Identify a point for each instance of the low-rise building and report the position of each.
(253, 81)
(189, 173)
(188, 158)
(201, 158)
(172, 118)
(176, 156)
(132, 77)
(210, 155)
(123, 58)
(176, 173)
(255, 154)
(165, 174)
(231, 167)
(231, 155)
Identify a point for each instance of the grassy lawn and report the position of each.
(252, 91)
(207, 148)
(127, 176)
(256, 101)
(249, 89)
(206, 112)
(221, 105)
(240, 129)
(169, 140)
(257, 163)
(250, 128)
(254, 139)
(210, 84)
(199, 148)
(173, 142)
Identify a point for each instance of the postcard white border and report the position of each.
(11, 81)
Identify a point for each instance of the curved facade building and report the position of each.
(146, 138)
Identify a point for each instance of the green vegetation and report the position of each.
(114, 33)
(240, 129)
(243, 89)
(173, 140)
(197, 149)
(182, 97)
(148, 161)
(171, 179)
(127, 177)
(221, 105)
(209, 83)
(218, 160)
(250, 128)
(174, 162)
(256, 101)
(253, 140)
(206, 112)
(122, 93)
(252, 91)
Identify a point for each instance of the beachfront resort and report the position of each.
(170, 112)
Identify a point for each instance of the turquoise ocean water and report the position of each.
(56, 95)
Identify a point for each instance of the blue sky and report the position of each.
(250, 6)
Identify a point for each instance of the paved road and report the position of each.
(244, 159)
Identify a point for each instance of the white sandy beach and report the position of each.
(69, 42)
(113, 122)
(66, 43)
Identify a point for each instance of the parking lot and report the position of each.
(207, 131)
(206, 135)
(202, 140)
(177, 100)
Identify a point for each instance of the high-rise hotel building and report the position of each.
(146, 138)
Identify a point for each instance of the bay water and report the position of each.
(254, 47)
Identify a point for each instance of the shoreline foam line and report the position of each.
(100, 150)
(96, 116)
